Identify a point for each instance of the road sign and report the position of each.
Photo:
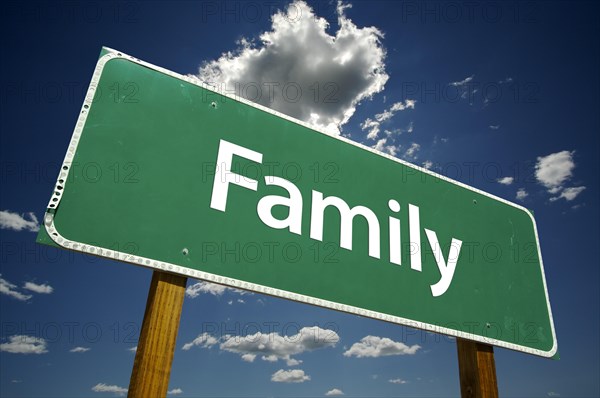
(165, 172)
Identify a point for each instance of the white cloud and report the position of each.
(289, 376)
(273, 347)
(428, 164)
(569, 194)
(382, 147)
(199, 288)
(495, 126)
(175, 391)
(507, 80)
(373, 126)
(392, 150)
(248, 357)
(554, 170)
(132, 349)
(385, 115)
(397, 381)
(462, 82)
(21, 344)
(196, 289)
(398, 106)
(522, 194)
(80, 349)
(373, 346)
(411, 152)
(553, 394)
(17, 222)
(293, 362)
(506, 180)
(101, 387)
(204, 340)
(466, 90)
(336, 392)
(41, 289)
(270, 347)
(299, 69)
(408, 104)
(10, 290)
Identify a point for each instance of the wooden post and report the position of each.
(477, 370)
(156, 346)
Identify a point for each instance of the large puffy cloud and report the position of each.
(373, 346)
(302, 70)
(270, 347)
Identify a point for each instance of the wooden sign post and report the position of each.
(477, 370)
(156, 346)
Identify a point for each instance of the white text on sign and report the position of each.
(224, 177)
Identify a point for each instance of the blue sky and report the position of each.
(501, 96)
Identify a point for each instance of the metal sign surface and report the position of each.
(165, 172)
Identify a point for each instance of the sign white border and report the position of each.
(238, 284)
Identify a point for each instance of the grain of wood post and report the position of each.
(477, 370)
(156, 346)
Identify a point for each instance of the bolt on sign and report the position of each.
(166, 172)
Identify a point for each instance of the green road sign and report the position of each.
(164, 172)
